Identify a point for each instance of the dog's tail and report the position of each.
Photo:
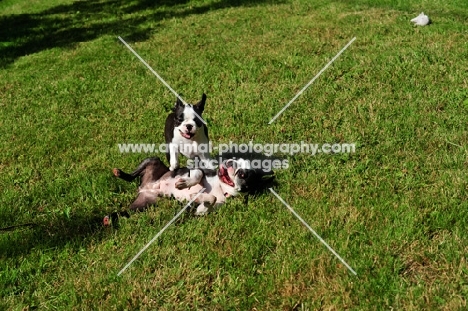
(137, 172)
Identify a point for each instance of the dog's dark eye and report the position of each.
(242, 174)
(198, 122)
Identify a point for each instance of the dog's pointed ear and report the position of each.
(262, 180)
(267, 176)
(264, 173)
(201, 104)
(178, 103)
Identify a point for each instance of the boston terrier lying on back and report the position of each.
(185, 133)
(232, 178)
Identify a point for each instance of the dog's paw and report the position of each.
(116, 172)
(182, 183)
(173, 167)
(202, 210)
(106, 221)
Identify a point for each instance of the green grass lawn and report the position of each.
(396, 210)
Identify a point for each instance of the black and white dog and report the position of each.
(186, 133)
(232, 178)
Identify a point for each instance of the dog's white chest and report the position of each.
(198, 145)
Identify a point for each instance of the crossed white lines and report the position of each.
(311, 81)
(159, 77)
(160, 232)
(271, 190)
(313, 231)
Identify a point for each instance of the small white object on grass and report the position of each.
(421, 20)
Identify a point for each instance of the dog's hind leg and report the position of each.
(139, 171)
(144, 199)
(140, 204)
(131, 176)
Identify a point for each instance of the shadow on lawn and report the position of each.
(66, 25)
(49, 234)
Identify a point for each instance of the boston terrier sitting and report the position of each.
(232, 178)
(186, 133)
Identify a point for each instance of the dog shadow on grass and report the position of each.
(73, 231)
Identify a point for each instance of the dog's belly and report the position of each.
(213, 187)
(166, 187)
